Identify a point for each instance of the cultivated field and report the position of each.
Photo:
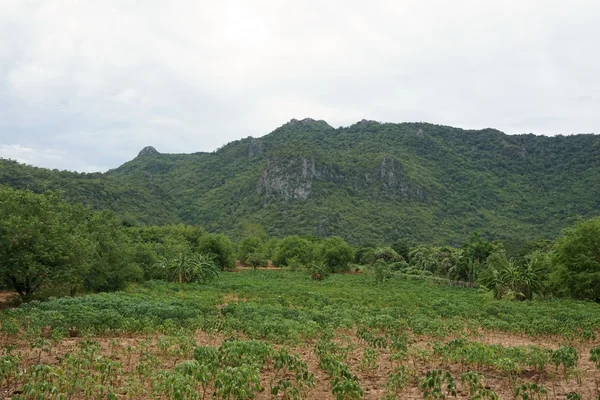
(278, 334)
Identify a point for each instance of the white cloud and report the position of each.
(103, 79)
(28, 155)
(49, 158)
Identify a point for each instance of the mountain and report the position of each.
(369, 182)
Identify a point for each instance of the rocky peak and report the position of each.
(255, 147)
(148, 151)
(367, 122)
(309, 122)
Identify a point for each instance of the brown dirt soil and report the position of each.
(245, 267)
(7, 299)
(241, 266)
(372, 382)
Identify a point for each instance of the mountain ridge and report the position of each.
(368, 182)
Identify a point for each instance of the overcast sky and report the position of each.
(84, 85)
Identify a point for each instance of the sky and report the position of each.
(85, 85)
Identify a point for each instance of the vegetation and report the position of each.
(293, 251)
(219, 248)
(577, 256)
(189, 268)
(252, 250)
(49, 243)
(421, 315)
(53, 246)
(335, 254)
(249, 332)
(504, 277)
(367, 183)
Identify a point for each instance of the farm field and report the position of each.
(278, 334)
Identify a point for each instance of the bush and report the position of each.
(290, 249)
(336, 254)
(364, 255)
(257, 259)
(248, 246)
(385, 254)
(318, 271)
(252, 251)
(186, 268)
(382, 271)
(220, 249)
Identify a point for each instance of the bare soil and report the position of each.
(373, 382)
(7, 299)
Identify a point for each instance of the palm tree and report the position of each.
(532, 280)
(504, 275)
(492, 280)
(185, 268)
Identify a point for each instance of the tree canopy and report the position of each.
(578, 259)
(46, 241)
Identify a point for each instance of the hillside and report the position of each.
(369, 182)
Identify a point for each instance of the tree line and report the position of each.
(49, 247)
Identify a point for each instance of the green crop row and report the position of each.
(288, 307)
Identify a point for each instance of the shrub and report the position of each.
(292, 248)
(250, 247)
(220, 249)
(186, 268)
(318, 272)
(336, 254)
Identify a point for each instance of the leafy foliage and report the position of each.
(293, 250)
(578, 259)
(503, 277)
(219, 247)
(367, 183)
(186, 268)
(252, 251)
(318, 271)
(438, 384)
(335, 254)
(47, 242)
(340, 319)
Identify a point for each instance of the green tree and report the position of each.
(471, 259)
(219, 247)
(253, 229)
(386, 254)
(41, 241)
(271, 247)
(402, 247)
(335, 254)
(291, 250)
(150, 243)
(577, 257)
(251, 248)
(111, 264)
(423, 258)
(364, 254)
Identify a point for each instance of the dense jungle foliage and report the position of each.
(367, 183)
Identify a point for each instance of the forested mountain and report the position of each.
(369, 182)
